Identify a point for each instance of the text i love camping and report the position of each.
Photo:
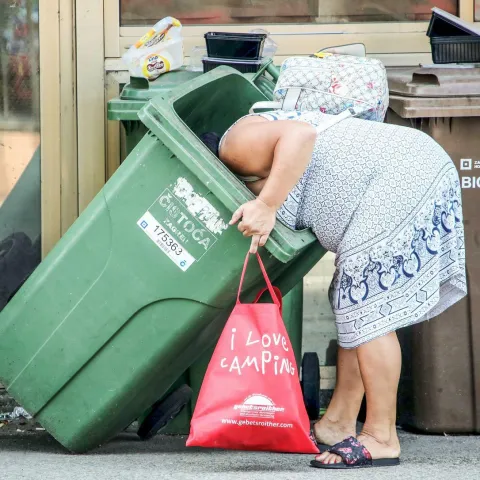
(265, 354)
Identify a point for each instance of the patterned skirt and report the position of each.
(387, 201)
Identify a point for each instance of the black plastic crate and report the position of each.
(455, 49)
(453, 40)
(243, 66)
(245, 46)
(443, 24)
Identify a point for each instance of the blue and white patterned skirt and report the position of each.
(387, 200)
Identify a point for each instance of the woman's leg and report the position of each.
(380, 364)
(340, 419)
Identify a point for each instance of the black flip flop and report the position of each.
(323, 447)
(354, 455)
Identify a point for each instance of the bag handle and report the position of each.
(350, 50)
(278, 294)
(334, 120)
(267, 105)
(289, 103)
(265, 276)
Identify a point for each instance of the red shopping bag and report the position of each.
(251, 397)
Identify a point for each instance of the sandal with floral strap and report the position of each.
(323, 447)
(354, 455)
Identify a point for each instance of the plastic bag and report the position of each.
(251, 397)
(352, 49)
(269, 47)
(159, 51)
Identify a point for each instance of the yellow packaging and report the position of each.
(159, 51)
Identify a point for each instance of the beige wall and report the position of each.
(16, 150)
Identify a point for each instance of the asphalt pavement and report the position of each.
(36, 455)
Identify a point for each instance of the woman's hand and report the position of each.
(258, 220)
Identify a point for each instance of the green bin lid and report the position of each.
(139, 91)
(142, 89)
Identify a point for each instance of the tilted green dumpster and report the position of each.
(141, 285)
(132, 99)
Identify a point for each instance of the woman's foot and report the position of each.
(386, 447)
(329, 433)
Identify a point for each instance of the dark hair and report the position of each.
(212, 141)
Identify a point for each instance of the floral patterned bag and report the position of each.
(331, 83)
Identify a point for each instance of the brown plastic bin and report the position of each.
(440, 386)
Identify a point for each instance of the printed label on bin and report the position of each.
(468, 168)
(166, 242)
(182, 231)
(199, 207)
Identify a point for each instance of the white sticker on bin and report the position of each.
(167, 242)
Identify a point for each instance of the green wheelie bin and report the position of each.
(125, 109)
(141, 285)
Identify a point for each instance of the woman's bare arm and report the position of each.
(281, 150)
(292, 154)
(290, 146)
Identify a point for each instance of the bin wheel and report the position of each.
(311, 384)
(164, 411)
(15, 264)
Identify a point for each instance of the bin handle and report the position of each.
(262, 69)
(139, 83)
(273, 71)
(421, 78)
